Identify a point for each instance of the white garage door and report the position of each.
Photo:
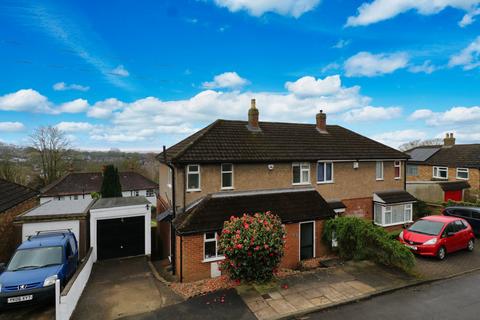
(30, 229)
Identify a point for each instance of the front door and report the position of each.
(307, 239)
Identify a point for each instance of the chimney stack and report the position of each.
(321, 122)
(253, 117)
(449, 140)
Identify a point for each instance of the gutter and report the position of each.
(174, 212)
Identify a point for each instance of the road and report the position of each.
(457, 298)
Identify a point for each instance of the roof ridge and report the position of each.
(198, 138)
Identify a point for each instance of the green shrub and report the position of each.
(253, 246)
(393, 235)
(359, 239)
(451, 203)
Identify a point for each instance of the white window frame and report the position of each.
(300, 164)
(376, 177)
(221, 177)
(464, 170)
(325, 172)
(199, 177)
(150, 193)
(397, 164)
(300, 240)
(215, 239)
(388, 208)
(438, 169)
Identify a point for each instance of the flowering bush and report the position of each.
(253, 246)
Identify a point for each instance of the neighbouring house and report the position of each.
(235, 167)
(113, 227)
(444, 172)
(80, 185)
(14, 200)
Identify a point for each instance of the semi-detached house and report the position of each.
(305, 173)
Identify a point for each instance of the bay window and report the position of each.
(387, 215)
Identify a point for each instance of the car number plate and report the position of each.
(20, 299)
(411, 247)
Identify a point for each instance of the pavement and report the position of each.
(322, 288)
(32, 312)
(456, 298)
(122, 287)
(222, 305)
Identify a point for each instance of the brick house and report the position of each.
(442, 172)
(14, 200)
(237, 161)
(80, 185)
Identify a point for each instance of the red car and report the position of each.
(438, 235)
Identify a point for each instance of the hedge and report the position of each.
(451, 203)
(359, 239)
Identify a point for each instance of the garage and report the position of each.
(120, 237)
(120, 227)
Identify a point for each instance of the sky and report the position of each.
(137, 75)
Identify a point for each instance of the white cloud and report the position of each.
(468, 58)
(380, 10)
(75, 106)
(120, 71)
(469, 18)
(226, 80)
(309, 86)
(11, 126)
(294, 8)
(426, 67)
(62, 86)
(74, 126)
(341, 44)
(455, 116)
(104, 109)
(397, 138)
(370, 65)
(25, 100)
(370, 113)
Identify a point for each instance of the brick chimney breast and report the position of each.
(449, 140)
(322, 122)
(253, 113)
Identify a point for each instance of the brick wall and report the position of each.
(194, 269)
(9, 239)
(361, 207)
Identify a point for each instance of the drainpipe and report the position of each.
(405, 175)
(174, 211)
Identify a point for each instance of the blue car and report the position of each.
(37, 263)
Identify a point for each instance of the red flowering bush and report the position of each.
(253, 246)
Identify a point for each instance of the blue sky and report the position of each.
(138, 75)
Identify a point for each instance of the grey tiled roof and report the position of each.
(459, 155)
(226, 140)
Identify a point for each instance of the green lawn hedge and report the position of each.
(359, 239)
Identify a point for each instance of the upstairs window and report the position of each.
(301, 173)
(227, 175)
(397, 165)
(325, 172)
(440, 172)
(462, 173)
(379, 170)
(193, 177)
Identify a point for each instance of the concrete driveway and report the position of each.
(122, 287)
(33, 312)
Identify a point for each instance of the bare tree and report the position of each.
(420, 143)
(52, 147)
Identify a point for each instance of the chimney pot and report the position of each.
(321, 122)
(449, 140)
(253, 113)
